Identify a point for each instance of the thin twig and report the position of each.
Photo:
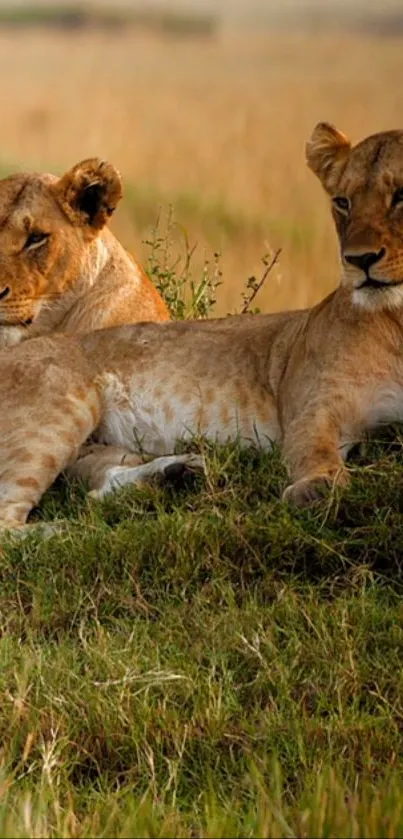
(154, 677)
(259, 285)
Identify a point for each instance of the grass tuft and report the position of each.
(170, 267)
(206, 662)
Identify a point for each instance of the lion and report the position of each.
(314, 381)
(61, 268)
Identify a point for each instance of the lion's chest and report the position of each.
(383, 404)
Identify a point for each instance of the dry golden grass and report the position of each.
(217, 127)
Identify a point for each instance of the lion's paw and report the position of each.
(307, 491)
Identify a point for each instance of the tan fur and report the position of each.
(369, 178)
(314, 381)
(61, 268)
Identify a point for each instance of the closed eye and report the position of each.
(397, 197)
(341, 203)
(35, 240)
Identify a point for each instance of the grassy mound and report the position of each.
(202, 661)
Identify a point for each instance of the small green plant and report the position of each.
(253, 285)
(170, 267)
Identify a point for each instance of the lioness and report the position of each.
(61, 269)
(314, 380)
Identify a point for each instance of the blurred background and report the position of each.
(205, 105)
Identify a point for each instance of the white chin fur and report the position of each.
(11, 335)
(373, 299)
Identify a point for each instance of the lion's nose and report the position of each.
(365, 260)
(4, 293)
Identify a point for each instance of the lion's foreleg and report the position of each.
(313, 448)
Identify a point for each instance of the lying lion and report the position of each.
(313, 380)
(61, 268)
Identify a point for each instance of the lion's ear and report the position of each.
(89, 192)
(326, 153)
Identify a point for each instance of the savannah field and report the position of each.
(202, 661)
(214, 127)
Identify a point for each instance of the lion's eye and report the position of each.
(397, 197)
(341, 203)
(35, 239)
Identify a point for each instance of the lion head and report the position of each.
(365, 185)
(47, 226)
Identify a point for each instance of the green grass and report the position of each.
(85, 16)
(202, 661)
